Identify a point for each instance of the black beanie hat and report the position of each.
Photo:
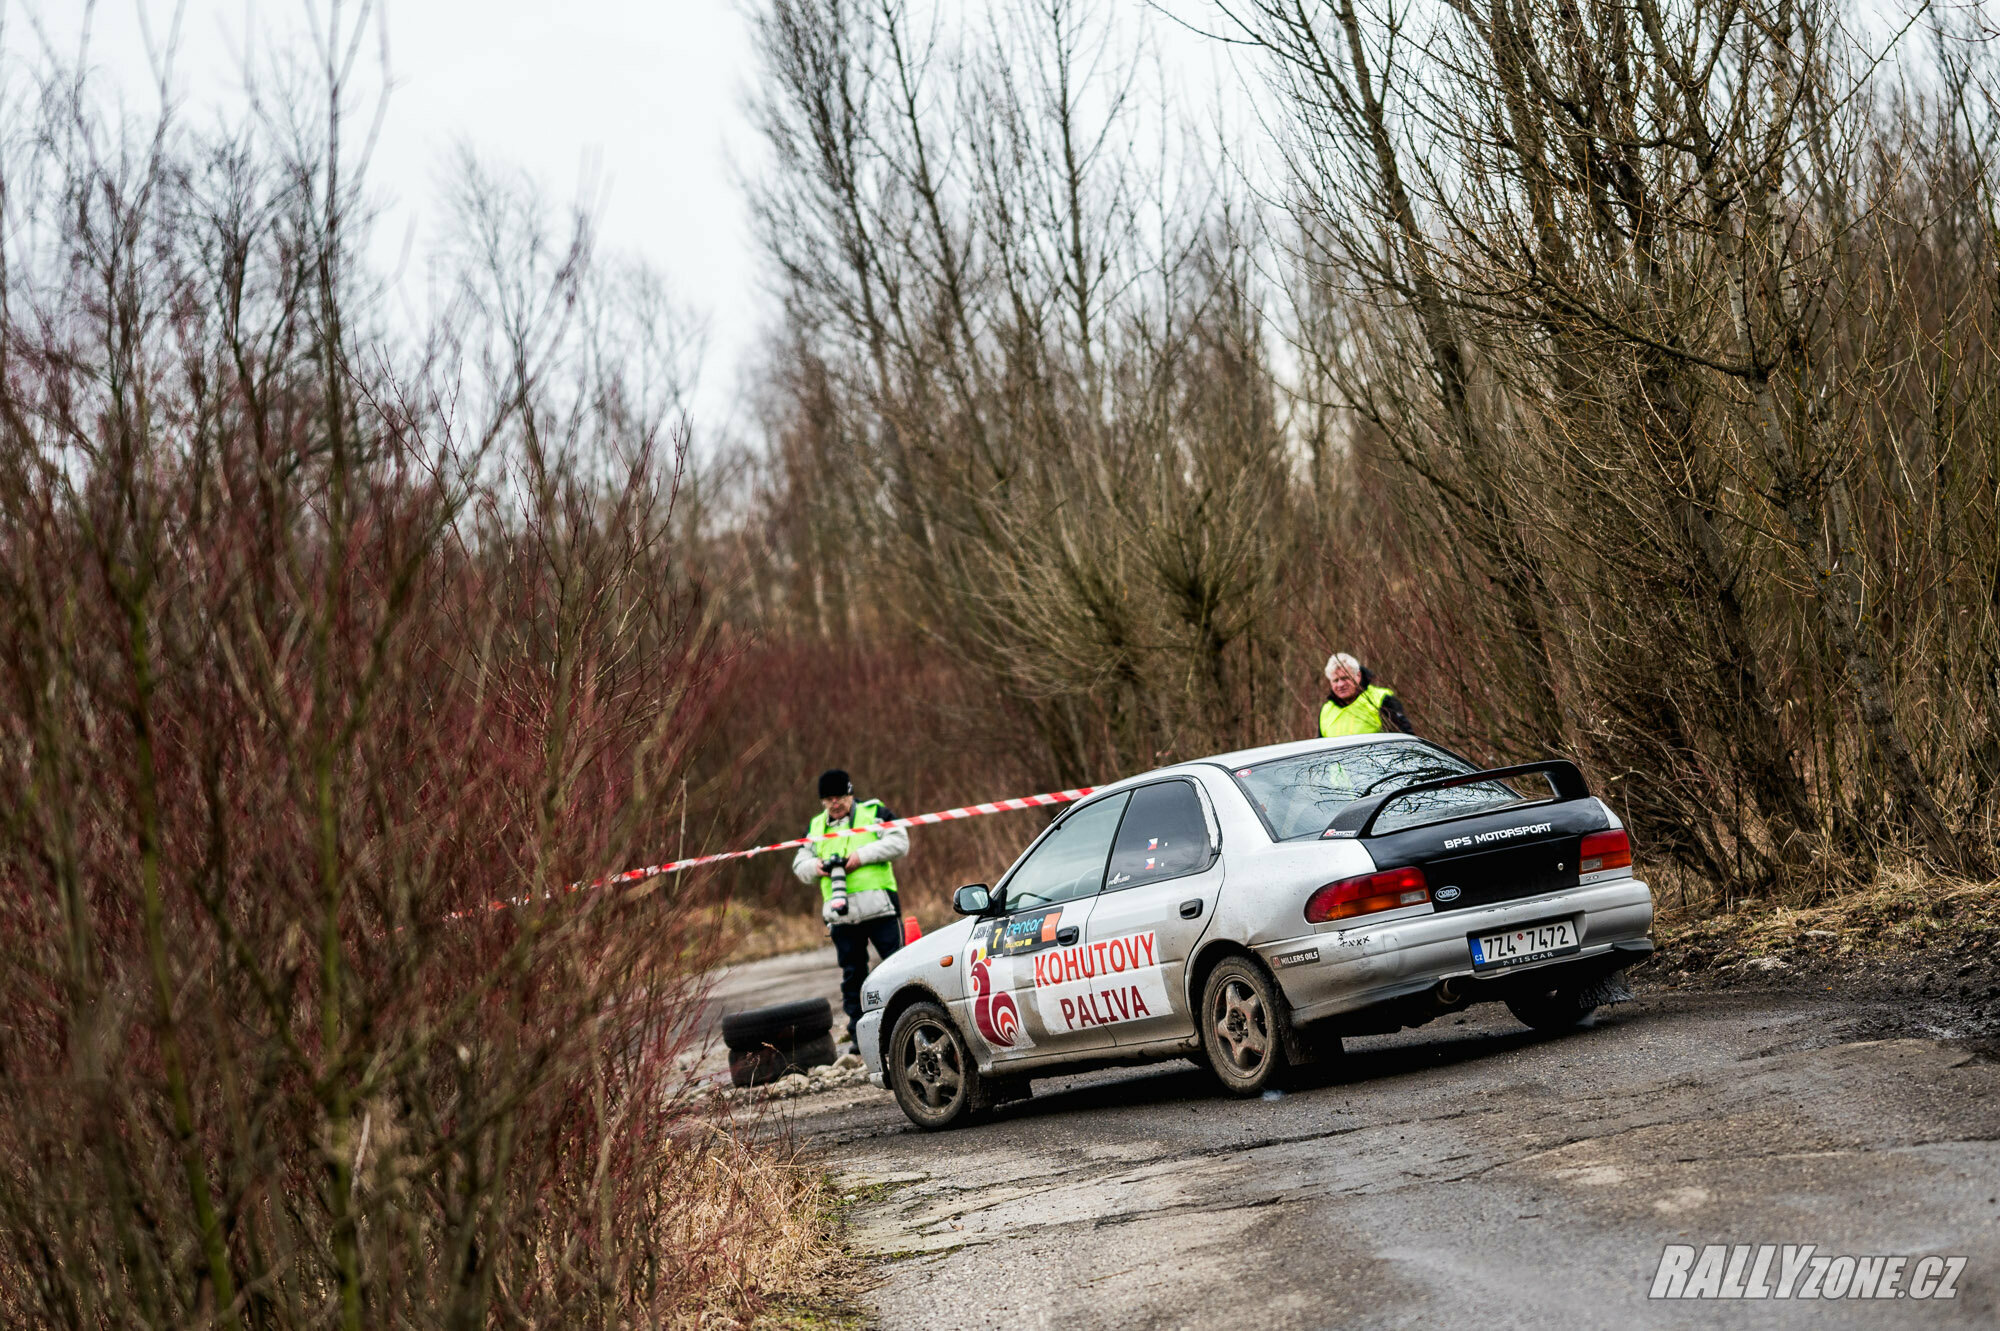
(834, 783)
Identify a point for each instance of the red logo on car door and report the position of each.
(993, 1013)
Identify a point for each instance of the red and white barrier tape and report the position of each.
(675, 866)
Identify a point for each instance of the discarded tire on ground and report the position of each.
(757, 1067)
(780, 1024)
(769, 1042)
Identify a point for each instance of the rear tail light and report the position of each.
(1389, 890)
(1605, 850)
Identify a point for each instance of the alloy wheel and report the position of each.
(931, 1065)
(1242, 1026)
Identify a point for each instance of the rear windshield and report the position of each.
(1298, 796)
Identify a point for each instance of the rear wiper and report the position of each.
(1421, 774)
(1358, 819)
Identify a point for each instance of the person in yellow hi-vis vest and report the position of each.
(1355, 704)
(856, 885)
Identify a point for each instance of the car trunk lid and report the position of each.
(1484, 837)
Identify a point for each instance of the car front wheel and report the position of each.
(1242, 1027)
(931, 1070)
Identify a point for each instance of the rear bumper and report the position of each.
(1370, 964)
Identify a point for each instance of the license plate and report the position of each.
(1517, 947)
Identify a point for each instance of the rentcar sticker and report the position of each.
(1023, 933)
(1101, 983)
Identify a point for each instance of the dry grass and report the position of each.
(761, 1242)
(751, 933)
(1903, 910)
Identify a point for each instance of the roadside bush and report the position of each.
(315, 641)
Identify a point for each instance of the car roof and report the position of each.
(1291, 749)
(1259, 756)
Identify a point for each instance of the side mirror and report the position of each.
(972, 899)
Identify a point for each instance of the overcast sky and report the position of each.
(636, 105)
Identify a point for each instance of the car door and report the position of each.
(1049, 897)
(1159, 895)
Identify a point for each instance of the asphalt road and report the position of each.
(1470, 1172)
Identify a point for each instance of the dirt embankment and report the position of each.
(1937, 951)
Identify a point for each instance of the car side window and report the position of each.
(1069, 863)
(1164, 835)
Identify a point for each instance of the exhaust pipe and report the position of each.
(1445, 996)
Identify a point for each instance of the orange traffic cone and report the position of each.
(912, 931)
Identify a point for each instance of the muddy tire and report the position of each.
(1244, 1027)
(931, 1069)
(1560, 1008)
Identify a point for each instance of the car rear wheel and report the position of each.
(1559, 1008)
(1243, 1027)
(930, 1069)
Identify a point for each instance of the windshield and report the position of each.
(1299, 796)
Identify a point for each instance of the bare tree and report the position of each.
(1641, 246)
(318, 641)
(1050, 370)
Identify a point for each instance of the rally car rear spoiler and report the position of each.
(1358, 819)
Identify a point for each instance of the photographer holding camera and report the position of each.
(857, 886)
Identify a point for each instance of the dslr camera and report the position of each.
(836, 869)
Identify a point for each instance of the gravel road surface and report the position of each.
(1466, 1172)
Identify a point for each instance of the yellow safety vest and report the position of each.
(869, 877)
(1363, 716)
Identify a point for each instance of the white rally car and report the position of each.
(1248, 910)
